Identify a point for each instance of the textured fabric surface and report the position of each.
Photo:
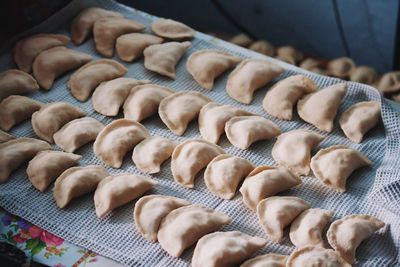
(374, 191)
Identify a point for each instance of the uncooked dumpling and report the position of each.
(311, 256)
(131, 46)
(26, 50)
(171, 29)
(364, 74)
(207, 65)
(263, 47)
(320, 108)
(82, 25)
(15, 109)
(110, 95)
(47, 165)
(390, 83)
(241, 39)
(162, 58)
(266, 260)
(4, 137)
(289, 54)
(341, 67)
(56, 61)
(89, 76)
(16, 82)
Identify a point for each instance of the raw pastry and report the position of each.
(266, 260)
(16, 82)
(390, 83)
(241, 39)
(341, 67)
(290, 53)
(131, 46)
(4, 137)
(315, 256)
(263, 47)
(364, 74)
(171, 29)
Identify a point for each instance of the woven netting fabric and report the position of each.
(374, 190)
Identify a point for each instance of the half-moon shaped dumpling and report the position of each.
(263, 47)
(190, 157)
(223, 249)
(248, 76)
(77, 133)
(346, 234)
(307, 228)
(213, 117)
(26, 50)
(107, 30)
(56, 61)
(117, 190)
(150, 210)
(320, 108)
(275, 213)
(51, 117)
(89, 76)
(16, 82)
(47, 165)
(281, 98)
(15, 152)
(333, 165)
(241, 39)
(4, 137)
(364, 74)
(312, 64)
(143, 101)
(389, 83)
(242, 131)
(341, 67)
(266, 181)
(291, 54)
(15, 109)
(266, 260)
(293, 149)
(224, 173)
(178, 109)
(182, 227)
(149, 154)
(359, 119)
(116, 139)
(82, 25)
(131, 46)
(162, 58)
(77, 181)
(315, 256)
(171, 29)
(109, 96)
(206, 65)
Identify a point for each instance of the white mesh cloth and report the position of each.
(374, 191)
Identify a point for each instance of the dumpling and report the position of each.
(109, 96)
(47, 165)
(311, 64)
(224, 249)
(143, 101)
(315, 256)
(131, 46)
(307, 228)
(364, 74)
(213, 117)
(16, 82)
(178, 109)
(241, 39)
(182, 227)
(293, 149)
(346, 234)
(263, 47)
(389, 83)
(89, 76)
(190, 157)
(341, 67)
(149, 154)
(106, 31)
(150, 210)
(171, 29)
(320, 108)
(118, 138)
(333, 165)
(15, 152)
(248, 76)
(51, 117)
(224, 173)
(281, 98)
(162, 58)
(82, 25)
(26, 50)
(290, 53)
(56, 61)
(15, 109)
(117, 190)
(266, 181)
(275, 213)
(359, 119)
(206, 65)
(4, 137)
(76, 182)
(242, 131)
(77, 133)
(266, 260)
